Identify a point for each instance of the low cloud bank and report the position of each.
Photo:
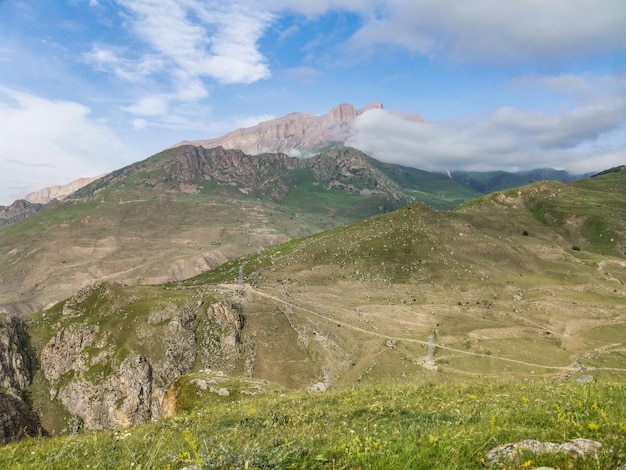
(582, 140)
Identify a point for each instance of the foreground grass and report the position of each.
(391, 426)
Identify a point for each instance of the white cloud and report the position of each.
(588, 136)
(213, 39)
(47, 142)
(150, 106)
(186, 42)
(497, 32)
(106, 58)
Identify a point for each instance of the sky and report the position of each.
(89, 86)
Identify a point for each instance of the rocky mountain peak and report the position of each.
(296, 134)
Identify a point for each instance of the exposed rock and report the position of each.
(17, 420)
(87, 377)
(576, 448)
(45, 195)
(64, 352)
(18, 210)
(295, 133)
(15, 365)
(119, 401)
(319, 387)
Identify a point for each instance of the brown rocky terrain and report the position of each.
(297, 134)
(18, 210)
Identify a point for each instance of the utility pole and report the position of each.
(179, 274)
(431, 348)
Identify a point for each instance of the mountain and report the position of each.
(189, 209)
(296, 134)
(18, 210)
(526, 283)
(45, 195)
(22, 208)
(489, 181)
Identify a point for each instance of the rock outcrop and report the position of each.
(113, 380)
(19, 210)
(15, 363)
(296, 134)
(17, 419)
(510, 452)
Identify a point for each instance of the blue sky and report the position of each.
(88, 86)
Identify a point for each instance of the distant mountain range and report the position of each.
(37, 200)
(305, 135)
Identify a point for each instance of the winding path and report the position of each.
(576, 367)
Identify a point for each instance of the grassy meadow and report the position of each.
(393, 426)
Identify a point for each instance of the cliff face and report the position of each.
(16, 417)
(15, 366)
(112, 379)
(295, 134)
(17, 420)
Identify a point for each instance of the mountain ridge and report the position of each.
(296, 134)
(189, 209)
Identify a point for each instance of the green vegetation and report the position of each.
(496, 283)
(392, 426)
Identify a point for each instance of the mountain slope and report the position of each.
(189, 209)
(490, 181)
(526, 283)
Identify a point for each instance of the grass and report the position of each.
(393, 426)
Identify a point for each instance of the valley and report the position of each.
(524, 285)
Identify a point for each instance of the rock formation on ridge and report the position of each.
(296, 134)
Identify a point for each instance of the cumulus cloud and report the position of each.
(47, 142)
(586, 137)
(188, 41)
(187, 45)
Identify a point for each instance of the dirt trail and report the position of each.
(571, 368)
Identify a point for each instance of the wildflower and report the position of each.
(527, 464)
(525, 399)
(593, 426)
(473, 397)
(493, 421)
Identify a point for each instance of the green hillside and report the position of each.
(426, 333)
(391, 426)
(189, 209)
